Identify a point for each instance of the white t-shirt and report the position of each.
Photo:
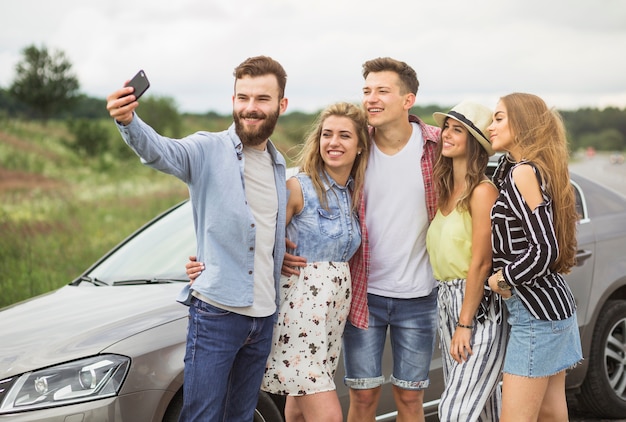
(397, 222)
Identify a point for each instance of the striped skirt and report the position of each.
(472, 389)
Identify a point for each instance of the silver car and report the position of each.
(109, 346)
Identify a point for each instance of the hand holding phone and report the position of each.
(140, 83)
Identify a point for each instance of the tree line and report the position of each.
(45, 87)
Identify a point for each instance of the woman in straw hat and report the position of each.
(534, 233)
(459, 244)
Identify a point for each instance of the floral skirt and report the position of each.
(306, 345)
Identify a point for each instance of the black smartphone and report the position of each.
(140, 83)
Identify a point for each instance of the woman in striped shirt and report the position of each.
(534, 243)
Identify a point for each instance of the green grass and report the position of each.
(60, 209)
(59, 212)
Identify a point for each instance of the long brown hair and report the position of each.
(539, 133)
(310, 161)
(477, 159)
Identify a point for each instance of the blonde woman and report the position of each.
(322, 222)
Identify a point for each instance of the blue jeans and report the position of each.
(412, 325)
(224, 363)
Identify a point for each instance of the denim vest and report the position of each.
(321, 234)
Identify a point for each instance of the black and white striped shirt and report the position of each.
(524, 245)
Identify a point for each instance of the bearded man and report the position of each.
(236, 181)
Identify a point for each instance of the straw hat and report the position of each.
(475, 117)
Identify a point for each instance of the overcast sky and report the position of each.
(570, 52)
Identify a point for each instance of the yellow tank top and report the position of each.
(449, 244)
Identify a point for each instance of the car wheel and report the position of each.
(604, 390)
(266, 410)
(174, 408)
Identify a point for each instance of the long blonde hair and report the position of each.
(539, 133)
(310, 161)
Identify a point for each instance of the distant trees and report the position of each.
(46, 87)
(8, 105)
(162, 114)
(601, 129)
(44, 81)
(92, 136)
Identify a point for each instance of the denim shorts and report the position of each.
(539, 348)
(412, 327)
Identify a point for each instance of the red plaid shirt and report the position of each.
(360, 262)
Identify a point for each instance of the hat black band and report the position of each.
(463, 119)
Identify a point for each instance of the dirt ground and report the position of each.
(12, 180)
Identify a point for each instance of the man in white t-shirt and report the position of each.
(393, 287)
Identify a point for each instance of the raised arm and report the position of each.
(121, 105)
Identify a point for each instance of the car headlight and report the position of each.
(72, 382)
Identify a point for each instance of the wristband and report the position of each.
(458, 324)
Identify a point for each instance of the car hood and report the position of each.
(78, 321)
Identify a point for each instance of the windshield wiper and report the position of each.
(147, 281)
(87, 279)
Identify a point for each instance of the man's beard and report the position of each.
(253, 137)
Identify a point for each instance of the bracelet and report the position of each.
(458, 324)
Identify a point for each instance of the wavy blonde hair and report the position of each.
(540, 135)
(310, 161)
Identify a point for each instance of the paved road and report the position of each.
(599, 169)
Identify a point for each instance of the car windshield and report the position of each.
(159, 252)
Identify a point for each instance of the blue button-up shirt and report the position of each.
(212, 166)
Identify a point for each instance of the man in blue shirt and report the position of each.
(236, 181)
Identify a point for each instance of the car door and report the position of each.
(581, 277)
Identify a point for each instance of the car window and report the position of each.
(599, 200)
(161, 250)
(581, 208)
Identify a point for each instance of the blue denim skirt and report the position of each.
(539, 348)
